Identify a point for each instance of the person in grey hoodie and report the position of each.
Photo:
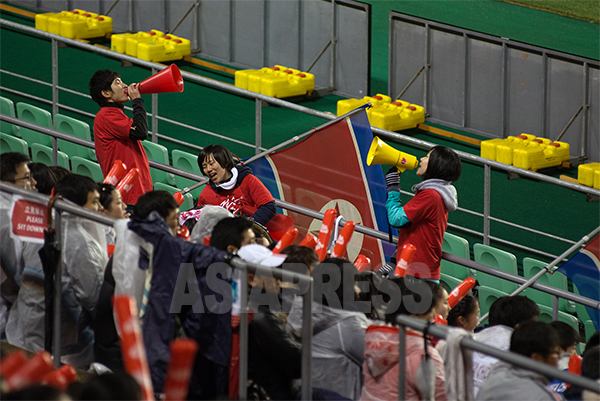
(538, 341)
(422, 221)
(338, 328)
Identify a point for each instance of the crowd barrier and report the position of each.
(469, 343)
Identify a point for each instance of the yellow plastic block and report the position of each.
(164, 48)
(488, 148)
(597, 179)
(541, 153)
(255, 77)
(504, 151)
(241, 78)
(54, 20)
(347, 105)
(586, 174)
(132, 42)
(86, 25)
(286, 83)
(396, 116)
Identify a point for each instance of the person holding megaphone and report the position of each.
(118, 137)
(422, 221)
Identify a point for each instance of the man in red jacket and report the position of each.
(118, 137)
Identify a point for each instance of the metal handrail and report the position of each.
(439, 331)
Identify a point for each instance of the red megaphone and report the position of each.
(167, 80)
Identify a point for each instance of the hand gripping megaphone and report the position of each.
(167, 80)
(382, 153)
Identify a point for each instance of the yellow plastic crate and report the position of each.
(347, 105)
(255, 77)
(396, 116)
(118, 42)
(597, 179)
(132, 42)
(541, 153)
(504, 151)
(86, 26)
(488, 148)
(286, 83)
(164, 48)
(586, 174)
(50, 22)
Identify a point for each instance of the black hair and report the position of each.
(533, 337)
(567, 336)
(463, 308)
(592, 341)
(59, 172)
(511, 311)
(106, 195)
(36, 392)
(444, 164)
(8, 165)
(43, 176)
(160, 201)
(101, 81)
(229, 231)
(590, 366)
(322, 275)
(376, 283)
(300, 255)
(110, 386)
(413, 292)
(76, 188)
(221, 154)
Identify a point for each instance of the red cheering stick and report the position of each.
(183, 232)
(406, 256)
(31, 372)
(287, 239)
(362, 263)
(116, 173)
(206, 240)
(132, 343)
(339, 250)
(439, 319)
(129, 181)
(61, 377)
(460, 291)
(12, 363)
(575, 366)
(179, 198)
(183, 353)
(325, 233)
(310, 241)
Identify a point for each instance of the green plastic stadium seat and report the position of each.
(457, 246)
(498, 259)
(557, 280)
(546, 316)
(584, 316)
(188, 201)
(449, 282)
(37, 116)
(8, 107)
(487, 296)
(76, 128)
(9, 143)
(158, 153)
(87, 167)
(188, 162)
(43, 154)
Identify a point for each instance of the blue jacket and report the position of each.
(211, 331)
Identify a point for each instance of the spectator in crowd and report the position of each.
(568, 339)
(465, 314)
(207, 221)
(300, 259)
(43, 177)
(59, 172)
(338, 328)
(375, 291)
(382, 348)
(109, 386)
(230, 234)
(535, 340)
(506, 313)
(14, 170)
(442, 308)
(423, 220)
(113, 206)
(590, 368)
(37, 392)
(233, 186)
(118, 137)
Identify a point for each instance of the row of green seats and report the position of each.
(82, 159)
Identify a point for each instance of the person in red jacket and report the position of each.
(234, 187)
(422, 221)
(117, 136)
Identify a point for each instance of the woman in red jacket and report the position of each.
(233, 187)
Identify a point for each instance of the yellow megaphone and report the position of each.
(382, 153)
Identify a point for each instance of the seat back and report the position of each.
(43, 154)
(87, 167)
(8, 107)
(188, 199)
(188, 162)
(80, 129)
(531, 267)
(457, 246)
(37, 116)
(546, 317)
(158, 153)
(9, 143)
(498, 259)
(487, 296)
